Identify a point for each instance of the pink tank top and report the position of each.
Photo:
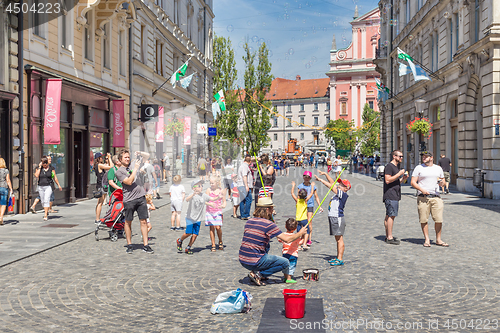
(218, 204)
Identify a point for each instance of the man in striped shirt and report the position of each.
(255, 244)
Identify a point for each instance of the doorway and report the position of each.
(78, 165)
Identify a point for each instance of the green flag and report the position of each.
(179, 73)
(219, 97)
(404, 56)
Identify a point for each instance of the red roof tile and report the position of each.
(282, 89)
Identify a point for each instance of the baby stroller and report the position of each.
(114, 220)
(380, 172)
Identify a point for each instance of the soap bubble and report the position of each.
(262, 40)
(291, 51)
(255, 39)
(386, 43)
(270, 54)
(304, 33)
(308, 65)
(286, 16)
(249, 23)
(299, 6)
(287, 58)
(410, 37)
(230, 28)
(446, 15)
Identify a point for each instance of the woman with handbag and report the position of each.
(5, 188)
(45, 173)
(100, 168)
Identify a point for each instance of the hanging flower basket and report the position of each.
(174, 126)
(238, 141)
(421, 126)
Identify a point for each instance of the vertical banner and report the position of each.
(118, 123)
(187, 131)
(52, 123)
(160, 125)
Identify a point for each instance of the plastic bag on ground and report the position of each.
(235, 301)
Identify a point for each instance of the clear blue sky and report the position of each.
(298, 32)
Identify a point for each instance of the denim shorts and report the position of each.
(391, 207)
(4, 196)
(192, 227)
(301, 224)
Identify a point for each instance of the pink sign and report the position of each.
(160, 125)
(118, 123)
(187, 130)
(51, 127)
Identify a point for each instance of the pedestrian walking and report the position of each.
(52, 197)
(166, 171)
(5, 188)
(426, 178)
(202, 168)
(213, 216)
(134, 199)
(100, 169)
(177, 194)
(336, 214)
(178, 166)
(245, 187)
(235, 195)
(229, 169)
(45, 173)
(392, 194)
(445, 164)
(253, 254)
(328, 165)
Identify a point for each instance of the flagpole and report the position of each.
(156, 90)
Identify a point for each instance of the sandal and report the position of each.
(427, 244)
(255, 279)
(45, 218)
(337, 262)
(443, 244)
(221, 246)
(52, 211)
(213, 248)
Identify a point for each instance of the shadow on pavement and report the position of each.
(419, 241)
(477, 203)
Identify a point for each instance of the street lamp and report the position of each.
(419, 106)
(174, 106)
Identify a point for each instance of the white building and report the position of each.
(456, 40)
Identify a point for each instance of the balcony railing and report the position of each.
(381, 52)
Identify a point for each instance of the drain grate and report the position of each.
(56, 225)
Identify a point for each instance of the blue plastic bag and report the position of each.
(235, 301)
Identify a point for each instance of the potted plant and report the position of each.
(174, 126)
(421, 126)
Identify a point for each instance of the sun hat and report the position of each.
(308, 174)
(265, 202)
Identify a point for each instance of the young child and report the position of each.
(336, 213)
(301, 211)
(311, 191)
(235, 195)
(151, 206)
(291, 250)
(268, 181)
(177, 194)
(213, 216)
(195, 213)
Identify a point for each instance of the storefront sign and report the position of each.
(118, 123)
(212, 131)
(149, 112)
(160, 125)
(202, 128)
(187, 131)
(51, 127)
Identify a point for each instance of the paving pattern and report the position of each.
(92, 286)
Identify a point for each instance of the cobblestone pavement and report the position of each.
(92, 286)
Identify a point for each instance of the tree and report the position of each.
(225, 76)
(257, 121)
(338, 130)
(371, 134)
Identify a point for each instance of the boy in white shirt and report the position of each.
(426, 178)
(177, 194)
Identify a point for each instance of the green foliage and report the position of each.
(372, 133)
(257, 84)
(225, 76)
(338, 130)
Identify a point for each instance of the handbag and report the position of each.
(235, 301)
(98, 193)
(12, 202)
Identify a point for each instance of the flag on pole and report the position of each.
(179, 73)
(381, 86)
(185, 82)
(215, 109)
(219, 97)
(403, 69)
(418, 72)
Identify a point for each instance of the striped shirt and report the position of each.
(258, 232)
(269, 191)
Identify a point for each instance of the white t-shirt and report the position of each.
(229, 170)
(428, 177)
(176, 192)
(244, 171)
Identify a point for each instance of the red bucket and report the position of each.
(295, 303)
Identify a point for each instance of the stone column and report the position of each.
(362, 100)
(354, 103)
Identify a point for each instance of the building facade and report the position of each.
(304, 109)
(456, 42)
(352, 72)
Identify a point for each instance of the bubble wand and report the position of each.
(335, 182)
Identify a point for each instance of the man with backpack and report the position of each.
(202, 167)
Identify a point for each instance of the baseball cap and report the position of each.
(97, 155)
(196, 182)
(234, 175)
(265, 202)
(308, 174)
(426, 153)
(346, 183)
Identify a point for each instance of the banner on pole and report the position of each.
(187, 131)
(160, 125)
(118, 123)
(52, 123)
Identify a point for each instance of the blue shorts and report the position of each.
(4, 196)
(301, 224)
(192, 227)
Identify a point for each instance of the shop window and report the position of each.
(59, 154)
(80, 111)
(65, 108)
(98, 118)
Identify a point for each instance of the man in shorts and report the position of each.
(392, 194)
(445, 164)
(426, 178)
(134, 198)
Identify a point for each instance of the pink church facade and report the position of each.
(352, 72)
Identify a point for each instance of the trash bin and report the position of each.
(477, 179)
(295, 303)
